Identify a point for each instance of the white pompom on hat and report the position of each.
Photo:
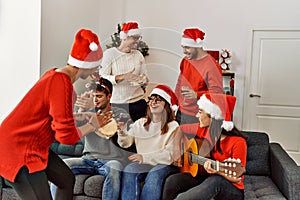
(192, 37)
(168, 94)
(219, 106)
(86, 52)
(129, 29)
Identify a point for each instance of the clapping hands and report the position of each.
(85, 101)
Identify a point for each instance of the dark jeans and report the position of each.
(136, 109)
(183, 186)
(183, 118)
(35, 186)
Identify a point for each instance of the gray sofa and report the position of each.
(271, 173)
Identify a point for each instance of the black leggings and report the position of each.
(35, 186)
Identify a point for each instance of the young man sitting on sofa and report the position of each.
(101, 153)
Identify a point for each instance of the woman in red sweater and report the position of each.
(46, 113)
(215, 112)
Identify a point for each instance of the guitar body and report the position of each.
(196, 153)
(196, 146)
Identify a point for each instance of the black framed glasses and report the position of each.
(156, 99)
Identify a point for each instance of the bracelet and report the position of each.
(94, 128)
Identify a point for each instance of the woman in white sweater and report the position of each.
(157, 138)
(124, 66)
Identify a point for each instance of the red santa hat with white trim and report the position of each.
(192, 37)
(129, 29)
(219, 106)
(86, 52)
(168, 94)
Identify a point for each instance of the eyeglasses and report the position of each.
(155, 99)
(136, 37)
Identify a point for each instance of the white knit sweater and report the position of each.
(115, 62)
(154, 147)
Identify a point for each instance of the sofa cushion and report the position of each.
(257, 154)
(9, 194)
(88, 185)
(261, 187)
(93, 186)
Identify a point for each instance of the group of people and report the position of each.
(143, 158)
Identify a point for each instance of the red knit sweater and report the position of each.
(44, 114)
(232, 147)
(204, 75)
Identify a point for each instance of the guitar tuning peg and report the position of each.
(238, 160)
(230, 172)
(234, 165)
(233, 160)
(226, 171)
(229, 164)
(234, 173)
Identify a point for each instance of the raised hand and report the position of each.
(104, 118)
(85, 101)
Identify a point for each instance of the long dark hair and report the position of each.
(167, 116)
(215, 131)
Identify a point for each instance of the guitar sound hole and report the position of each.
(190, 157)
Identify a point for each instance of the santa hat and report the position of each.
(168, 94)
(192, 37)
(86, 52)
(219, 106)
(129, 29)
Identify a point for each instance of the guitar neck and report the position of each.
(201, 160)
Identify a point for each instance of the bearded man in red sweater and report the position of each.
(46, 113)
(199, 73)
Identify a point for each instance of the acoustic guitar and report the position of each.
(195, 155)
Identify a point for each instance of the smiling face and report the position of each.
(190, 52)
(156, 104)
(133, 41)
(204, 118)
(101, 100)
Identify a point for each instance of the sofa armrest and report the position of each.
(284, 172)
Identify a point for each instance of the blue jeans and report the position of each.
(111, 169)
(214, 186)
(153, 177)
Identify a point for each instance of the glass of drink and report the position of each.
(184, 89)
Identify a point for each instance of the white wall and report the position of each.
(227, 25)
(19, 50)
(60, 22)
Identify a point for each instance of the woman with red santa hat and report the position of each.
(228, 145)
(155, 137)
(44, 114)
